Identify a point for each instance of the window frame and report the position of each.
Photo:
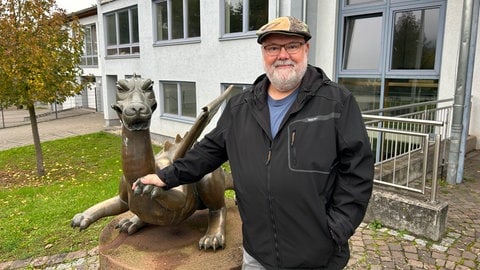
(93, 44)
(439, 41)
(340, 49)
(132, 46)
(388, 9)
(173, 41)
(177, 117)
(245, 22)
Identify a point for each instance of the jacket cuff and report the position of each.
(169, 176)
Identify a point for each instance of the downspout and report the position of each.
(468, 92)
(277, 8)
(459, 99)
(304, 10)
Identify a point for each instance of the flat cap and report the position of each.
(284, 25)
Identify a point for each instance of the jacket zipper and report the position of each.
(292, 146)
(269, 156)
(270, 205)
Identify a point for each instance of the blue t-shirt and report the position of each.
(278, 109)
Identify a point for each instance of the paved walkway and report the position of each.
(371, 249)
(51, 126)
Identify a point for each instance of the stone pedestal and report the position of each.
(411, 213)
(171, 247)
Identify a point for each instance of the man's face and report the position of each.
(285, 69)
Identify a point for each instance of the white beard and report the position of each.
(286, 79)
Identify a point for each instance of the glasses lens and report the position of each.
(291, 48)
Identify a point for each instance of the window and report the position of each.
(177, 19)
(243, 16)
(122, 32)
(366, 91)
(390, 51)
(237, 88)
(414, 39)
(362, 51)
(90, 54)
(179, 99)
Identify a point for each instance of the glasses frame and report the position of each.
(289, 50)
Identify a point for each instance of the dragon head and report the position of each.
(135, 103)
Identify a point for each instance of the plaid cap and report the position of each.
(284, 25)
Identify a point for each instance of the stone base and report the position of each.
(171, 247)
(408, 213)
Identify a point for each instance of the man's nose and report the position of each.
(283, 53)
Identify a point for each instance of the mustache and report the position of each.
(283, 63)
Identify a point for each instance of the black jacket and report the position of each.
(302, 194)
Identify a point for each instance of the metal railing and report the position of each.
(12, 117)
(438, 110)
(407, 144)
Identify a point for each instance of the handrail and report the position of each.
(405, 152)
(403, 120)
(408, 106)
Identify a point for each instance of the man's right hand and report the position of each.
(149, 184)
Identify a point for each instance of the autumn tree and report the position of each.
(40, 49)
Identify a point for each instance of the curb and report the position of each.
(81, 259)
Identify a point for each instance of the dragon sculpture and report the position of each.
(135, 103)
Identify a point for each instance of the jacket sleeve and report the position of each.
(354, 174)
(204, 157)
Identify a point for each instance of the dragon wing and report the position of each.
(202, 121)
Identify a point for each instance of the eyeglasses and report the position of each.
(291, 48)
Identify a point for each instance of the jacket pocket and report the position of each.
(312, 144)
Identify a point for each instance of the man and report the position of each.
(299, 154)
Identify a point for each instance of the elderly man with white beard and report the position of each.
(299, 154)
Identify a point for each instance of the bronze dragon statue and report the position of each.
(135, 104)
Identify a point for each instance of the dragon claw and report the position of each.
(213, 241)
(81, 221)
(155, 192)
(147, 189)
(130, 225)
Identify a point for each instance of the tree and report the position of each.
(40, 49)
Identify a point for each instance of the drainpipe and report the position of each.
(304, 10)
(460, 90)
(277, 8)
(468, 92)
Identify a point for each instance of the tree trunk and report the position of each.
(36, 140)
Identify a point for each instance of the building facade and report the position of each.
(92, 95)
(387, 52)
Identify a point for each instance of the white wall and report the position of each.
(214, 61)
(448, 75)
(325, 36)
(208, 63)
(475, 101)
(451, 43)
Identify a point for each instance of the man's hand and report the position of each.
(149, 184)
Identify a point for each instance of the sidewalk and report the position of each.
(18, 132)
(371, 249)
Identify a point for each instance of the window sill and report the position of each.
(179, 119)
(172, 42)
(123, 56)
(237, 36)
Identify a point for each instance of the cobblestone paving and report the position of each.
(459, 249)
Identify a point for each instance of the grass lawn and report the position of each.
(36, 211)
